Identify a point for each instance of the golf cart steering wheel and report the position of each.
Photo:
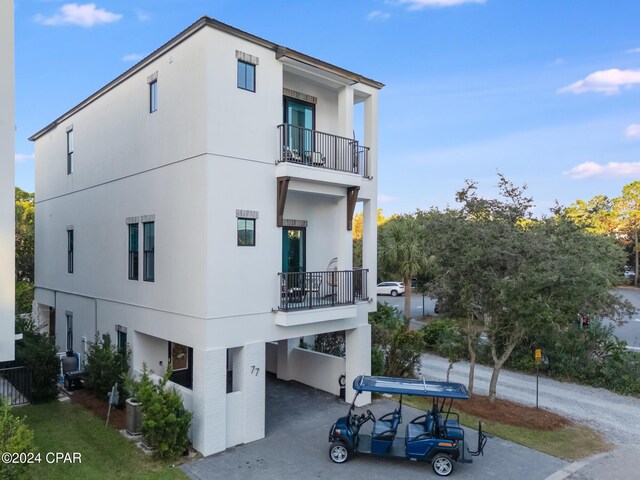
(370, 415)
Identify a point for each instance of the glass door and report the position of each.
(300, 116)
(293, 250)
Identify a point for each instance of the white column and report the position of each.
(370, 246)
(251, 369)
(345, 112)
(285, 372)
(345, 243)
(7, 181)
(358, 353)
(209, 423)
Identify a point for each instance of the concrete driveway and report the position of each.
(296, 446)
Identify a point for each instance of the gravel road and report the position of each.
(616, 416)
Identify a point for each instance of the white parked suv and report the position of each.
(390, 288)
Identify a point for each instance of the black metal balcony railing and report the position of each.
(322, 150)
(306, 290)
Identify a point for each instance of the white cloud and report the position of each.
(557, 62)
(23, 157)
(633, 131)
(633, 50)
(85, 15)
(421, 4)
(608, 82)
(132, 57)
(386, 198)
(378, 15)
(611, 169)
(142, 15)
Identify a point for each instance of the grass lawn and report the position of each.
(537, 429)
(69, 428)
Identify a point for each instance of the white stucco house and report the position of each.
(198, 208)
(7, 183)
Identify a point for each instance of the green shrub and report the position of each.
(37, 351)
(24, 297)
(435, 330)
(395, 349)
(165, 421)
(15, 437)
(105, 367)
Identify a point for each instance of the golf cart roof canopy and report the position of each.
(409, 386)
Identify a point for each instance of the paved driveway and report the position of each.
(296, 446)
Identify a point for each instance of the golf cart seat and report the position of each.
(419, 428)
(386, 426)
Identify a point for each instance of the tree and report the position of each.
(357, 235)
(37, 351)
(395, 349)
(628, 211)
(105, 367)
(401, 252)
(25, 232)
(15, 437)
(509, 274)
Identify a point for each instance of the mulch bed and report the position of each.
(117, 418)
(504, 411)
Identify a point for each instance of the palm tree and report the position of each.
(401, 252)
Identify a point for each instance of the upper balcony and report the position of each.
(303, 146)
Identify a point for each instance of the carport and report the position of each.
(298, 419)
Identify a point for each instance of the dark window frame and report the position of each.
(153, 96)
(134, 252)
(70, 251)
(243, 242)
(148, 247)
(242, 81)
(69, 331)
(70, 151)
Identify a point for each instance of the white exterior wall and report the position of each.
(208, 151)
(7, 182)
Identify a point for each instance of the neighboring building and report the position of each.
(194, 208)
(7, 183)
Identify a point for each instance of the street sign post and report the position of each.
(538, 358)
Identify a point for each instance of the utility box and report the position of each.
(134, 416)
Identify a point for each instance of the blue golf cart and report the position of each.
(435, 436)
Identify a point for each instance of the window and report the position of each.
(246, 76)
(69, 331)
(70, 251)
(69, 151)
(246, 232)
(133, 251)
(149, 250)
(153, 96)
(122, 339)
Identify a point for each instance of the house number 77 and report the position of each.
(254, 370)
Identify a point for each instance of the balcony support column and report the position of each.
(352, 198)
(345, 111)
(358, 358)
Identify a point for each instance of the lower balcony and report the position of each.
(314, 290)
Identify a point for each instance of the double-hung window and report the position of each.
(133, 251)
(246, 76)
(148, 251)
(246, 232)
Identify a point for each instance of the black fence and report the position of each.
(306, 290)
(15, 383)
(322, 150)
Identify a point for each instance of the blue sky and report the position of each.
(545, 91)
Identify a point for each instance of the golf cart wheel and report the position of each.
(394, 293)
(442, 464)
(338, 452)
